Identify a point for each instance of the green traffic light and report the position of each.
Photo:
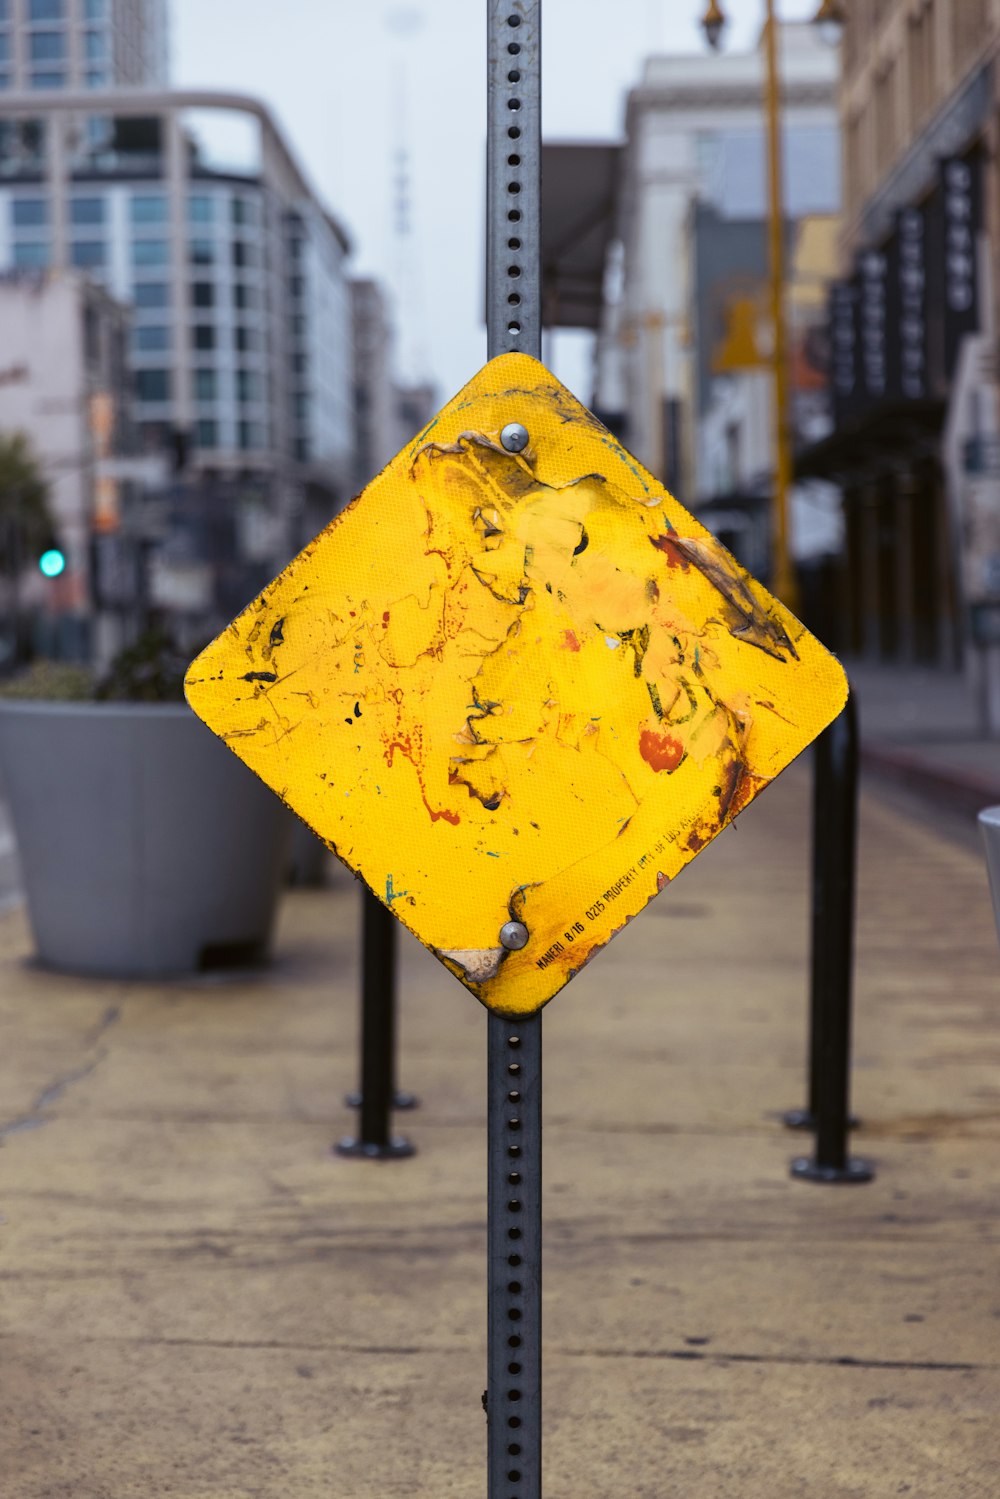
(52, 562)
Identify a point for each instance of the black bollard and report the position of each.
(375, 1140)
(835, 824)
(381, 962)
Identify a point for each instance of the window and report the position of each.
(97, 78)
(29, 213)
(46, 46)
(87, 253)
(296, 285)
(95, 45)
(153, 339)
(203, 336)
(84, 211)
(152, 294)
(244, 297)
(4, 80)
(200, 208)
(95, 10)
(203, 294)
(250, 435)
(300, 364)
(4, 47)
(247, 340)
(45, 10)
(244, 254)
(31, 255)
(150, 252)
(247, 386)
(202, 252)
(206, 434)
(244, 211)
(4, 10)
(148, 208)
(152, 385)
(204, 385)
(302, 449)
(47, 80)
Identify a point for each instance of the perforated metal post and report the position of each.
(514, 1061)
(514, 1348)
(513, 177)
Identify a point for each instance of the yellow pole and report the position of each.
(783, 582)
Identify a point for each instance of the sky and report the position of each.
(348, 80)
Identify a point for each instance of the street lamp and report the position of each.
(829, 18)
(712, 23)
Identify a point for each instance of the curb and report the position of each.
(960, 791)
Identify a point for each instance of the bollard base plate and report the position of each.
(856, 1171)
(806, 1119)
(400, 1100)
(397, 1149)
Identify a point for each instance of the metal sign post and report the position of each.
(513, 1398)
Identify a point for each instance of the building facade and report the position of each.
(241, 342)
(695, 134)
(912, 329)
(64, 383)
(82, 44)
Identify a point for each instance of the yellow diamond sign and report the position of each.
(516, 690)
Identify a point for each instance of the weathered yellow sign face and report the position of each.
(516, 687)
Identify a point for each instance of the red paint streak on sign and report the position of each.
(570, 642)
(668, 546)
(405, 746)
(660, 751)
(451, 817)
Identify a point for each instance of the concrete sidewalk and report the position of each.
(922, 731)
(200, 1301)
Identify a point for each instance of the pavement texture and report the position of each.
(922, 732)
(199, 1300)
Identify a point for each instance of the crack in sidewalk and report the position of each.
(37, 1114)
(684, 1355)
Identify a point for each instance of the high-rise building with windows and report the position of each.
(82, 44)
(189, 208)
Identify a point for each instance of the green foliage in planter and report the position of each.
(150, 671)
(50, 681)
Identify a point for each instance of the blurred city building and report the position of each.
(733, 396)
(65, 384)
(912, 331)
(188, 208)
(684, 346)
(387, 411)
(241, 344)
(82, 44)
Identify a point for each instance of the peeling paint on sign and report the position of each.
(521, 687)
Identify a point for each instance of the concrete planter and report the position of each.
(989, 825)
(147, 849)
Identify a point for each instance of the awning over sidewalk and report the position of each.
(579, 194)
(886, 435)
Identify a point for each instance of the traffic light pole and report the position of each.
(513, 1397)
